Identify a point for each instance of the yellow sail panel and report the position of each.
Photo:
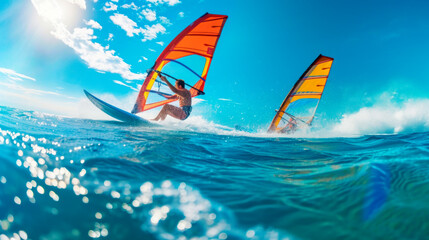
(313, 85)
(322, 69)
(305, 96)
(301, 103)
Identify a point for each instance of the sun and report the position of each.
(67, 12)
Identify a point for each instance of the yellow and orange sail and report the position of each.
(198, 39)
(299, 106)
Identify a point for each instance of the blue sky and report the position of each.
(51, 50)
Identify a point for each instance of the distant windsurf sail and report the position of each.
(187, 57)
(299, 106)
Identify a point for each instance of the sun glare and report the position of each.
(59, 12)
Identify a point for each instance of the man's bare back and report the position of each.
(184, 96)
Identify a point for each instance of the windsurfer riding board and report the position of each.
(185, 101)
(290, 127)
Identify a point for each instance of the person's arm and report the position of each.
(173, 89)
(170, 97)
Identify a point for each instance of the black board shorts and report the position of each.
(187, 110)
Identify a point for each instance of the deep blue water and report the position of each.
(63, 178)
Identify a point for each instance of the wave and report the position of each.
(386, 118)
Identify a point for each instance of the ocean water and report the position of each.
(66, 178)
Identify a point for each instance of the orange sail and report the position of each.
(198, 39)
(299, 106)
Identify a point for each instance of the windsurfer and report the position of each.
(185, 101)
(290, 127)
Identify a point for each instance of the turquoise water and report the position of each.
(64, 178)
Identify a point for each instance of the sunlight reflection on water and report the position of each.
(166, 210)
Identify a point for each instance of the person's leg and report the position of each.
(171, 110)
(161, 114)
(175, 112)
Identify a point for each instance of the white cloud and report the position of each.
(93, 24)
(80, 3)
(131, 6)
(169, 2)
(110, 37)
(165, 20)
(152, 50)
(49, 10)
(94, 54)
(81, 41)
(11, 90)
(11, 74)
(144, 58)
(195, 101)
(109, 6)
(26, 91)
(228, 100)
(181, 14)
(149, 32)
(126, 24)
(152, 31)
(114, 0)
(160, 43)
(150, 15)
(123, 84)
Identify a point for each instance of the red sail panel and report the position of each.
(200, 38)
(310, 86)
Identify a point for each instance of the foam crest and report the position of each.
(197, 123)
(386, 118)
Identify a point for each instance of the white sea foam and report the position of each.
(386, 118)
